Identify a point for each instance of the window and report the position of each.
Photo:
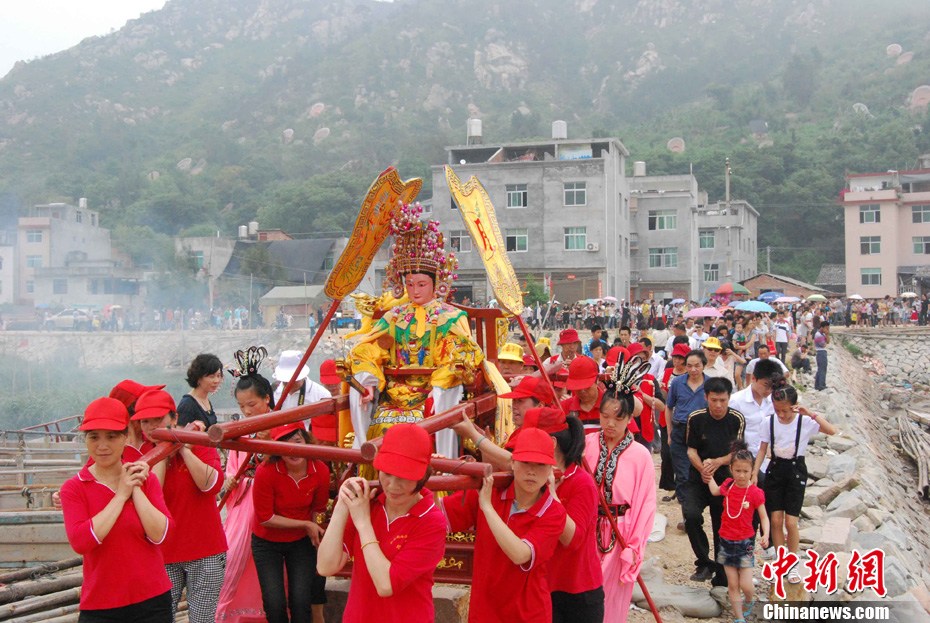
(33, 235)
(711, 272)
(921, 245)
(870, 245)
(871, 276)
(452, 204)
(663, 257)
(576, 193)
(516, 240)
(30, 287)
(663, 219)
(79, 216)
(920, 214)
(33, 261)
(93, 219)
(197, 256)
(516, 196)
(870, 213)
(329, 261)
(707, 239)
(576, 238)
(460, 241)
(59, 286)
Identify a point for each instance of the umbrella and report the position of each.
(769, 296)
(855, 297)
(755, 306)
(703, 312)
(677, 301)
(610, 299)
(908, 295)
(731, 288)
(817, 297)
(787, 299)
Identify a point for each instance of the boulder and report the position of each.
(841, 466)
(814, 513)
(847, 504)
(810, 534)
(896, 535)
(877, 515)
(816, 466)
(690, 601)
(864, 523)
(835, 535)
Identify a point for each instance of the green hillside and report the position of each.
(209, 113)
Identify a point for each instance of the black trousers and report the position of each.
(586, 607)
(154, 610)
(299, 557)
(666, 470)
(697, 498)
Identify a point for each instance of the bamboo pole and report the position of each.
(19, 590)
(41, 604)
(35, 572)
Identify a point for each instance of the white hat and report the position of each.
(287, 363)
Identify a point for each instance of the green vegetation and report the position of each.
(202, 117)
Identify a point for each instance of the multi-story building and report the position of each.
(7, 262)
(563, 210)
(887, 231)
(65, 259)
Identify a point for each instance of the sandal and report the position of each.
(794, 577)
(740, 620)
(747, 611)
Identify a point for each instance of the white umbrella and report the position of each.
(610, 299)
(854, 297)
(787, 299)
(908, 295)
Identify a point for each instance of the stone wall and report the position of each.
(899, 359)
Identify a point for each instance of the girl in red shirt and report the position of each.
(395, 538)
(290, 496)
(737, 534)
(115, 514)
(518, 529)
(575, 577)
(195, 553)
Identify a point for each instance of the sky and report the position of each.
(33, 28)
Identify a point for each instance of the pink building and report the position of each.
(887, 225)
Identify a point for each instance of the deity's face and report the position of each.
(420, 288)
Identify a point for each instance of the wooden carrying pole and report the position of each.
(257, 423)
(472, 408)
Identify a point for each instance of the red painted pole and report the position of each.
(267, 421)
(260, 446)
(542, 370)
(303, 360)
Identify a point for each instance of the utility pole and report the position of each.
(768, 260)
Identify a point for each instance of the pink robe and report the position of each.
(634, 485)
(241, 597)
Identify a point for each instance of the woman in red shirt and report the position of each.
(115, 514)
(290, 496)
(195, 553)
(396, 538)
(575, 577)
(518, 529)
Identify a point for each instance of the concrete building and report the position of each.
(683, 246)
(7, 267)
(65, 259)
(563, 210)
(887, 231)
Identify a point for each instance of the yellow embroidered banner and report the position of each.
(371, 229)
(478, 213)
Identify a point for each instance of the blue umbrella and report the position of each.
(754, 306)
(768, 297)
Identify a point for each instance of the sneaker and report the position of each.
(702, 574)
(768, 553)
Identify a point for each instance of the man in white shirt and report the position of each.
(782, 330)
(698, 335)
(304, 390)
(764, 354)
(656, 361)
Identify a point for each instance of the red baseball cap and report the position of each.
(613, 355)
(128, 391)
(582, 373)
(328, 374)
(285, 430)
(534, 446)
(529, 361)
(105, 414)
(405, 452)
(156, 403)
(681, 350)
(530, 387)
(568, 336)
(547, 419)
(635, 348)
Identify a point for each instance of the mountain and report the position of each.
(209, 113)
